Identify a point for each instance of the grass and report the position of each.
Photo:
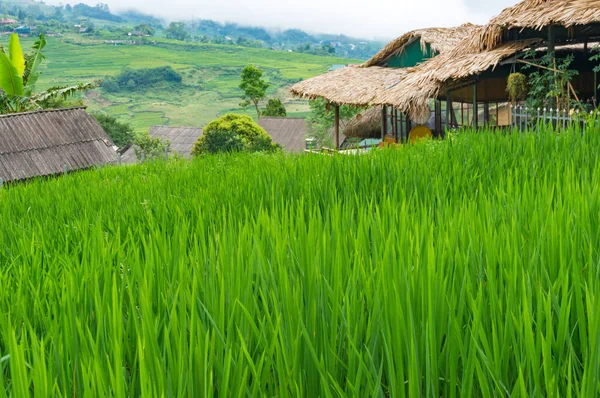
(468, 267)
(210, 85)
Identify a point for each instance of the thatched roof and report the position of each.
(182, 139)
(366, 124)
(535, 14)
(439, 39)
(350, 85)
(428, 80)
(42, 143)
(367, 84)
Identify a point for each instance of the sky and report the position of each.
(383, 19)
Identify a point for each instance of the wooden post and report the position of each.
(448, 110)
(337, 127)
(383, 122)
(475, 110)
(551, 40)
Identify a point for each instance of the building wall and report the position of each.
(411, 56)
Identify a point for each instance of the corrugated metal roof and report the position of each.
(289, 132)
(41, 143)
(182, 140)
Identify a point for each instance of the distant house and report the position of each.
(290, 133)
(8, 21)
(182, 140)
(136, 33)
(83, 30)
(23, 30)
(43, 143)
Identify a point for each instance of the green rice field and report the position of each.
(467, 267)
(211, 78)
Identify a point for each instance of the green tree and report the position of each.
(146, 29)
(255, 88)
(148, 148)
(321, 120)
(121, 134)
(176, 31)
(275, 108)
(233, 133)
(19, 74)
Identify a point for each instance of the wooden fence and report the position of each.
(524, 118)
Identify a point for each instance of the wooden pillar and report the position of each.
(337, 127)
(551, 40)
(486, 114)
(475, 110)
(448, 110)
(383, 122)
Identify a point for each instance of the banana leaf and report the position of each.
(16, 54)
(31, 75)
(10, 80)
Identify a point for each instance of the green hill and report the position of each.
(210, 77)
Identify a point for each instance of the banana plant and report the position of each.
(19, 74)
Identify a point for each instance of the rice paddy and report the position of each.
(466, 267)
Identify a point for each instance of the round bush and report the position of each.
(233, 133)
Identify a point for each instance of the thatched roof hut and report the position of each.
(512, 31)
(366, 124)
(439, 40)
(365, 85)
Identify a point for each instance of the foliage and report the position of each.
(177, 31)
(274, 108)
(100, 11)
(149, 149)
(549, 82)
(120, 133)
(516, 87)
(448, 269)
(213, 87)
(19, 74)
(140, 79)
(254, 87)
(145, 29)
(233, 133)
(321, 120)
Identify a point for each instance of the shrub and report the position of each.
(274, 108)
(121, 134)
(233, 133)
(148, 148)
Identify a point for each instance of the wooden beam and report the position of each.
(337, 127)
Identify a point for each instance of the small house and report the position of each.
(182, 140)
(46, 143)
(290, 133)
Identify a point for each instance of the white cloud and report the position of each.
(374, 18)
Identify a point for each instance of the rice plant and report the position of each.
(466, 267)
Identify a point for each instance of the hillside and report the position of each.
(210, 77)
